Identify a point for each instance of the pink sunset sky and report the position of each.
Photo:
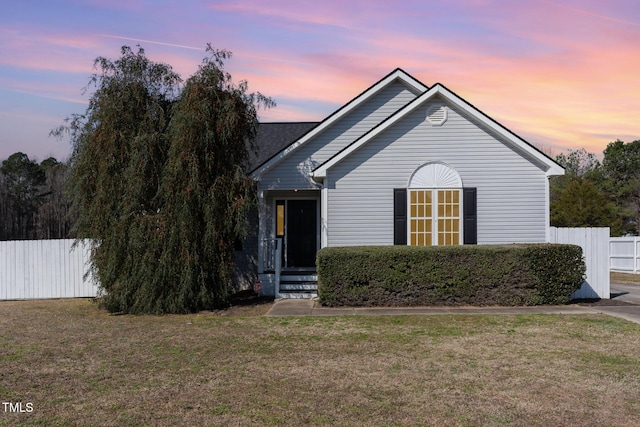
(562, 74)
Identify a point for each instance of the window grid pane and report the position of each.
(448, 217)
(279, 219)
(421, 223)
(445, 204)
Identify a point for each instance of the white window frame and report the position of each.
(434, 177)
(435, 218)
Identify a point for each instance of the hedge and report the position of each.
(457, 275)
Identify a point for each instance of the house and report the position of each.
(400, 164)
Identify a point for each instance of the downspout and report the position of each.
(324, 214)
(261, 228)
(547, 211)
(324, 209)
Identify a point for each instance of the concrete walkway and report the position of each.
(305, 307)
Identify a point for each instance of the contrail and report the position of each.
(200, 49)
(151, 41)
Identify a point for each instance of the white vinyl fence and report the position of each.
(31, 269)
(624, 254)
(595, 247)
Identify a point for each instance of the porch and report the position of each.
(289, 238)
(290, 282)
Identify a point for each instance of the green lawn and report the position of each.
(79, 366)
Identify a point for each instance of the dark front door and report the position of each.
(302, 233)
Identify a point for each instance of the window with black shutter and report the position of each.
(435, 217)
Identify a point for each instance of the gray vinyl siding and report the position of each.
(293, 171)
(510, 189)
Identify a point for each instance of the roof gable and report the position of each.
(520, 145)
(396, 75)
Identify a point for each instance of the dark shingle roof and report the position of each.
(275, 137)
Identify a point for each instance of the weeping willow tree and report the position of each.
(158, 183)
(205, 192)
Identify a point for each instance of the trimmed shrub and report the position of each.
(454, 275)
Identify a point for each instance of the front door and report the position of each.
(301, 234)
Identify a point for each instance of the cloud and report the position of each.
(563, 93)
(43, 89)
(558, 74)
(590, 13)
(25, 48)
(314, 13)
(290, 112)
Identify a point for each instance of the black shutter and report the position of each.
(399, 216)
(470, 217)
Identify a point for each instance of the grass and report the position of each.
(79, 366)
(628, 278)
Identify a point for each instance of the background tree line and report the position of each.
(599, 194)
(34, 203)
(33, 200)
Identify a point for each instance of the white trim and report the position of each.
(552, 167)
(547, 210)
(434, 215)
(324, 217)
(397, 74)
(286, 199)
(262, 214)
(548, 165)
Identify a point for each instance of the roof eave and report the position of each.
(341, 112)
(550, 167)
(546, 163)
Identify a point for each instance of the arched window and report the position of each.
(435, 206)
(435, 175)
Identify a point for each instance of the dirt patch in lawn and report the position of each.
(245, 303)
(78, 365)
(610, 302)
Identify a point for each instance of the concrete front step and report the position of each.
(298, 286)
(298, 295)
(298, 277)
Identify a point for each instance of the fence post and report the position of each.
(278, 266)
(635, 255)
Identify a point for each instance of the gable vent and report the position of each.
(437, 115)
